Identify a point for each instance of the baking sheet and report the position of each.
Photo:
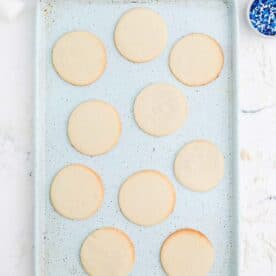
(213, 116)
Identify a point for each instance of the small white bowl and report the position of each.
(250, 3)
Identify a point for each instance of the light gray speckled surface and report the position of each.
(210, 117)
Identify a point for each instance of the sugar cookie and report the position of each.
(160, 109)
(141, 35)
(147, 198)
(199, 166)
(77, 192)
(94, 127)
(79, 58)
(187, 252)
(196, 59)
(108, 251)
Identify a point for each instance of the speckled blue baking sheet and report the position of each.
(213, 116)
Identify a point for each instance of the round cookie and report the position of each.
(77, 192)
(141, 35)
(199, 166)
(108, 251)
(94, 127)
(147, 198)
(196, 59)
(160, 109)
(79, 58)
(187, 252)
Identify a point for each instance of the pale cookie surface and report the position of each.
(106, 252)
(160, 109)
(141, 35)
(77, 192)
(79, 58)
(199, 166)
(187, 252)
(147, 198)
(94, 127)
(197, 59)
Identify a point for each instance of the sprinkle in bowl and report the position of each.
(261, 15)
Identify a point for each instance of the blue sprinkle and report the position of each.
(262, 15)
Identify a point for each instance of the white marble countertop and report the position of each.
(257, 140)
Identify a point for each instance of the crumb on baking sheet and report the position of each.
(48, 11)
